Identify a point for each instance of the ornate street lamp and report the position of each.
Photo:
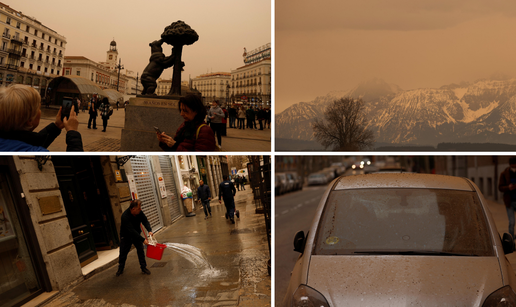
(119, 67)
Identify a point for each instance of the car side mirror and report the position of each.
(299, 242)
(507, 243)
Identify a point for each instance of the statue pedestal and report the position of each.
(142, 114)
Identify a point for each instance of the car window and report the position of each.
(362, 220)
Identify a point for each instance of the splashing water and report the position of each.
(195, 256)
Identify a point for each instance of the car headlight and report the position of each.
(503, 297)
(308, 297)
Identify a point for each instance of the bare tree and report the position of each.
(344, 126)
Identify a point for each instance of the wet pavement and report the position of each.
(207, 263)
(94, 140)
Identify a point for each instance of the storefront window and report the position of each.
(17, 276)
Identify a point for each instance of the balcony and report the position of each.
(16, 40)
(14, 52)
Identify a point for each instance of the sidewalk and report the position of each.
(502, 224)
(96, 140)
(238, 253)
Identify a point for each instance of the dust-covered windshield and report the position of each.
(406, 221)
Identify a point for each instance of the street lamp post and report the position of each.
(119, 67)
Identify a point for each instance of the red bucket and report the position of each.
(155, 252)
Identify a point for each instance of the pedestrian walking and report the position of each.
(241, 118)
(268, 118)
(78, 105)
(105, 112)
(227, 192)
(130, 235)
(243, 182)
(84, 105)
(507, 185)
(93, 113)
(251, 116)
(237, 182)
(117, 104)
(204, 194)
(216, 114)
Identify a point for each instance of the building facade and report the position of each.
(251, 83)
(30, 52)
(104, 74)
(213, 86)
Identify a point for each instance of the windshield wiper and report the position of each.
(415, 253)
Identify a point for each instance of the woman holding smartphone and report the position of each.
(193, 134)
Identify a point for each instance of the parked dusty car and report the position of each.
(297, 181)
(402, 240)
(284, 185)
(317, 178)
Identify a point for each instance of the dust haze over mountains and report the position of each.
(482, 111)
(332, 45)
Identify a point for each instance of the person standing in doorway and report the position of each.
(93, 113)
(227, 192)
(507, 185)
(130, 235)
(204, 194)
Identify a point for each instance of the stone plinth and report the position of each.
(142, 114)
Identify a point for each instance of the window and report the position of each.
(22, 64)
(35, 32)
(67, 72)
(78, 73)
(52, 71)
(27, 28)
(8, 20)
(43, 35)
(91, 76)
(1, 61)
(30, 66)
(26, 40)
(18, 24)
(4, 46)
(6, 32)
(46, 69)
(39, 68)
(58, 72)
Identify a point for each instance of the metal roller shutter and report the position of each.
(170, 184)
(146, 190)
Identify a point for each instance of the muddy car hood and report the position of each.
(404, 280)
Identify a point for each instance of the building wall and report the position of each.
(213, 86)
(52, 230)
(84, 67)
(253, 82)
(30, 52)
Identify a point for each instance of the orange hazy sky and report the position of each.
(332, 45)
(225, 27)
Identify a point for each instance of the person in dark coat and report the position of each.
(227, 192)
(104, 112)
(261, 117)
(237, 182)
(93, 113)
(507, 185)
(232, 117)
(243, 182)
(204, 194)
(130, 235)
(193, 134)
(20, 114)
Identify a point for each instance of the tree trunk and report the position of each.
(175, 89)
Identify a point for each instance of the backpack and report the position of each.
(197, 136)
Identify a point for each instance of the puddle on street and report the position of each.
(197, 257)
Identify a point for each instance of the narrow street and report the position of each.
(208, 262)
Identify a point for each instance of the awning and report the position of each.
(114, 96)
(85, 86)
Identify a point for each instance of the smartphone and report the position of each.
(67, 107)
(157, 130)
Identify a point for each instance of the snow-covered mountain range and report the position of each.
(479, 112)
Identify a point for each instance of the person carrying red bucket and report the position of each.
(130, 235)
